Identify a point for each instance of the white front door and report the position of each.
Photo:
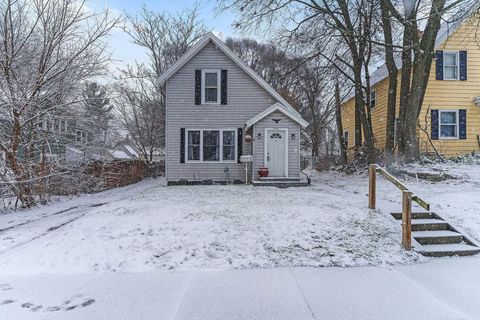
(276, 152)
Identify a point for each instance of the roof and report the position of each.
(276, 107)
(220, 45)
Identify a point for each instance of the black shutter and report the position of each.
(463, 65)
(462, 121)
(239, 143)
(224, 87)
(439, 64)
(198, 87)
(434, 116)
(182, 145)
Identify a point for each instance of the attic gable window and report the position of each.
(450, 66)
(210, 86)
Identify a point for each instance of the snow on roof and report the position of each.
(131, 150)
(119, 155)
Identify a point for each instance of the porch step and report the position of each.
(446, 250)
(278, 178)
(280, 184)
(429, 224)
(437, 237)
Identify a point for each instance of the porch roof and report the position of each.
(276, 107)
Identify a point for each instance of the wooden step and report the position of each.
(415, 215)
(429, 224)
(446, 250)
(437, 237)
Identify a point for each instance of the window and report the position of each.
(60, 125)
(448, 124)
(211, 86)
(450, 65)
(193, 145)
(373, 98)
(228, 145)
(211, 145)
(81, 136)
(345, 138)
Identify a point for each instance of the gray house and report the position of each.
(220, 113)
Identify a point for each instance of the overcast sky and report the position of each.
(126, 52)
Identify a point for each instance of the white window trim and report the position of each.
(457, 53)
(218, 72)
(286, 147)
(221, 146)
(373, 93)
(457, 124)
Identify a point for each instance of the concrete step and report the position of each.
(278, 179)
(446, 250)
(415, 215)
(280, 184)
(437, 237)
(429, 224)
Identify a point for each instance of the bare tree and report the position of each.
(141, 102)
(47, 49)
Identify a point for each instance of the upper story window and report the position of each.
(448, 124)
(210, 86)
(60, 125)
(450, 65)
(373, 98)
(81, 136)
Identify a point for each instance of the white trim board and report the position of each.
(276, 107)
(220, 45)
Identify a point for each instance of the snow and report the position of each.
(119, 154)
(440, 289)
(147, 251)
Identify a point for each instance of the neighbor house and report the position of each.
(218, 110)
(450, 115)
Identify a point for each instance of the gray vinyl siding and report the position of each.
(245, 100)
(293, 145)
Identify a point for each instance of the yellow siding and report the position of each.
(440, 94)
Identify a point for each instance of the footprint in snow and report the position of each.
(5, 286)
(6, 301)
(31, 306)
(77, 301)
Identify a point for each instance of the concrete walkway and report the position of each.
(441, 289)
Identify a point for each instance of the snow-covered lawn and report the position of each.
(149, 226)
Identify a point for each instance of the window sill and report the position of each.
(210, 162)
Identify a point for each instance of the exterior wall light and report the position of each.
(293, 136)
(259, 135)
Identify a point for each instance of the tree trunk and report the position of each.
(392, 83)
(338, 115)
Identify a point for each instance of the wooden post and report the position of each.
(372, 186)
(407, 220)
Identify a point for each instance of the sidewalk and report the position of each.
(440, 289)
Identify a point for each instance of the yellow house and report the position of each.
(451, 110)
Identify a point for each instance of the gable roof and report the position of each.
(220, 45)
(276, 107)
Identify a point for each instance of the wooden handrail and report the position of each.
(407, 198)
(425, 205)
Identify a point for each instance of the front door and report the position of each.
(276, 151)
